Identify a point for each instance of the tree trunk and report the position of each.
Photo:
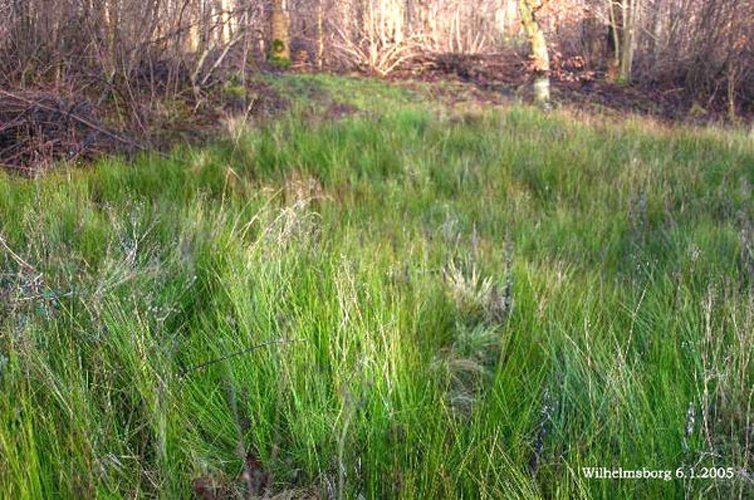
(281, 51)
(224, 14)
(623, 33)
(320, 34)
(112, 26)
(538, 43)
(615, 28)
(628, 42)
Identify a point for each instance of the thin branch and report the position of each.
(235, 354)
(15, 256)
(220, 59)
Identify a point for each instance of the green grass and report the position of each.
(441, 304)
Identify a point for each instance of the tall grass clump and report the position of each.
(408, 301)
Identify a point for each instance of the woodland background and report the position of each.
(147, 69)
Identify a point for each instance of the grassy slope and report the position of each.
(375, 247)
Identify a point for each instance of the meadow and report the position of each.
(414, 300)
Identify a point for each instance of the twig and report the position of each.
(236, 354)
(220, 59)
(15, 256)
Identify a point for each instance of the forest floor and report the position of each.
(42, 127)
(373, 290)
(509, 77)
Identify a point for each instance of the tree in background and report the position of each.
(539, 57)
(703, 47)
(623, 17)
(281, 39)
